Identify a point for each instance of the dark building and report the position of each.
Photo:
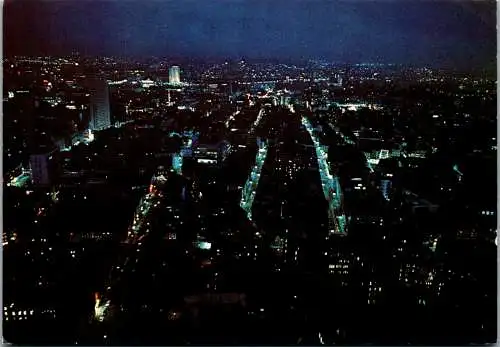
(100, 117)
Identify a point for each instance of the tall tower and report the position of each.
(174, 75)
(100, 117)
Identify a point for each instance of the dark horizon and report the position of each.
(436, 34)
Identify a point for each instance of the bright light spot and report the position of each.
(204, 245)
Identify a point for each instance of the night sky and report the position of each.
(460, 33)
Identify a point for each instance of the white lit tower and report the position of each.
(100, 117)
(174, 75)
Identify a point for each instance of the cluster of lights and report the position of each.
(10, 313)
(100, 308)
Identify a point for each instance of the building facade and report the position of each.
(39, 164)
(100, 117)
(174, 75)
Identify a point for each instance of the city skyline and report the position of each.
(249, 173)
(246, 197)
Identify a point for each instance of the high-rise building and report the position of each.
(385, 187)
(100, 117)
(174, 75)
(39, 164)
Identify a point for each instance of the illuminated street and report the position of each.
(140, 225)
(331, 186)
(250, 187)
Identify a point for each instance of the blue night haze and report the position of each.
(443, 33)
